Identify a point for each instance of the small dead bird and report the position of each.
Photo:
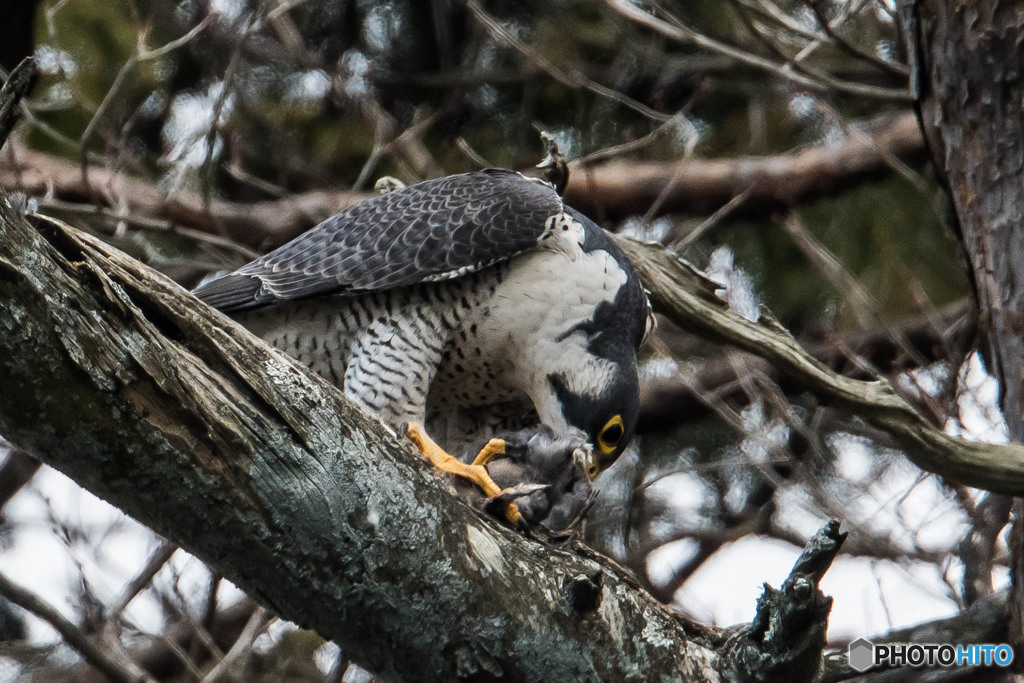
(544, 473)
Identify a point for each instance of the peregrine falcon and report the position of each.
(461, 306)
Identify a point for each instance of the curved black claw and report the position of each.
(523, 527)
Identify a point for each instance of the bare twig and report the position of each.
(241, 649)
(147, 223)
(676, 122)
(121, 672)
(571, 79)
(894, 68)
(471, 153)
(711, 221)
(819, 82)
(157, 559)
(143, 54)
(226, 83)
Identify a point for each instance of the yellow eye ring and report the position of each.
(610, 435)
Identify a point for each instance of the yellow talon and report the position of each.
(494, 450)
(476, 472)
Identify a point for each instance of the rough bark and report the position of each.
(968, 69)
(171, 412)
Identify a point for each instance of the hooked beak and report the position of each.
(587, 461)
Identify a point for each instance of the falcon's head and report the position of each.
(605, 412)
(598, 392)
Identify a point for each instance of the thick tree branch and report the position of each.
(168, 410)
(683, 294)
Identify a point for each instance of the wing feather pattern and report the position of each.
(434, 230)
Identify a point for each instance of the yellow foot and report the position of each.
(476, 472)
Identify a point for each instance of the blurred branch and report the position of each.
(772, 182)
(17, 471)
(977, 549)
(572, 79)
(862, 305)
(141, 55)
(157, 559)
(894, 68)
(119, 217)
(613, 188)
(686, 296)
(117, 671)
(242, 648)
(800, 62)
(663, 401)
(257, 225)
(817, 81)
(168, 655)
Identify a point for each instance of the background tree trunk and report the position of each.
(969, 66)
(967, 69)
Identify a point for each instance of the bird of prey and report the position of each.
(461, 307)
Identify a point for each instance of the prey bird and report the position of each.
(461, 307)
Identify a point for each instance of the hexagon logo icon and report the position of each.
(861, 654)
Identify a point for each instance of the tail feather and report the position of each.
(231, 292)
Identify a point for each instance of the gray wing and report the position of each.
(434, 230)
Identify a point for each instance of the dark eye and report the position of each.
(612, 433)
